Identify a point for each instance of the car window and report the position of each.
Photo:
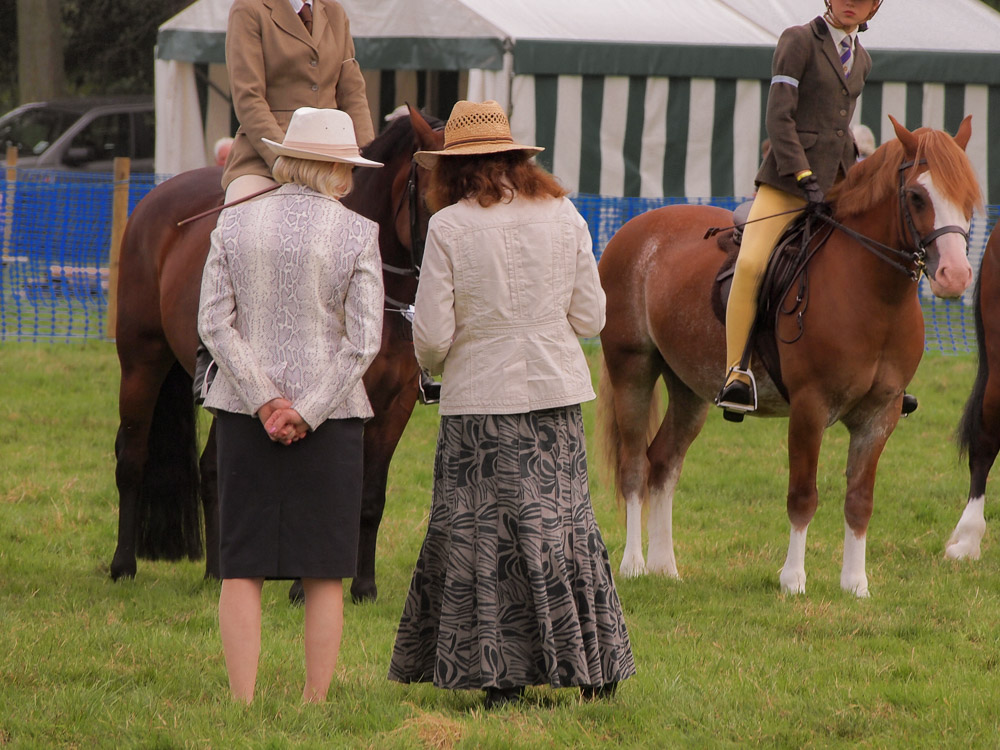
(102, 140)
(145, 135)
(34, 130)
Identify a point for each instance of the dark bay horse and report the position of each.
(158, 475)
(979, 429)
(846, 353)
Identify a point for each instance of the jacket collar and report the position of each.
(285, 19)
(822, 32)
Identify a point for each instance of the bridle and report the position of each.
(911, 262)
(412, 197)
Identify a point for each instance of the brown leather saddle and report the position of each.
(788, 267)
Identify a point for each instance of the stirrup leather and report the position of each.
(732, 406)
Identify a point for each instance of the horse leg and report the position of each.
(805, 434)
(633, 376)
(984, 444)
(867, 442)
(208, 470)
(382, 435)
(686, 414)
(138, 393)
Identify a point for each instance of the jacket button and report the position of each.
(840, 133)
(843, 113)
(844, 92)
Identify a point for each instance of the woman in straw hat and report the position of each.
(513, 584)
(291, 311)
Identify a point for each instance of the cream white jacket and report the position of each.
(504, 294)
(291, 305)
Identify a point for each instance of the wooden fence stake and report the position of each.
(119, 215)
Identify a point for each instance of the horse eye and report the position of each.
(917, 200)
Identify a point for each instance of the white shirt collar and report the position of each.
(839, 34)
(297, 5)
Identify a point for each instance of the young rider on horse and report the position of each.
(818, 72)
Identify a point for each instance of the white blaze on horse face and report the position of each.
(966, 537)
(852, 575)
(953, 274)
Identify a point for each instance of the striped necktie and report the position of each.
(306, 15)
(845, 54)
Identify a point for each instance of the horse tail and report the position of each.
(607, 425)
(971, 423)
(168, 517)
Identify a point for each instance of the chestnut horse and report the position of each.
(159, 282)
(846, 354)
(979, 429)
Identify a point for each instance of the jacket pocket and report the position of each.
(807, 138)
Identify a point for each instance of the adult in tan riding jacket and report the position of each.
(276, 65)
(817, 74)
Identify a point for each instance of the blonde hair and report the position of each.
(332, 178)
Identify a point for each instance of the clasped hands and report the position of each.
(283, 424)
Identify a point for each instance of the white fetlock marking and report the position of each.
(793, 574)
(632, 563)
(852, 576)
(965, 539)
(660, 528)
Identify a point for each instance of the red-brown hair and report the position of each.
(489, 179)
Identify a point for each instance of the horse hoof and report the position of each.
(363, 592)
(632, 568)
(962, 550)
(794, 582)
(119, 570)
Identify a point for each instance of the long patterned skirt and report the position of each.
(513, 584)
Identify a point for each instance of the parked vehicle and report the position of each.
(83, 135)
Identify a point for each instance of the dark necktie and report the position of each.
(306, 15)
(845, 54)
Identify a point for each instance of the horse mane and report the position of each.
(395, 139)
(876, 178)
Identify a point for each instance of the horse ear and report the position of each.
(906, 138)
(426, 137)
(964, 132)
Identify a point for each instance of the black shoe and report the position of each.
(593, 692)
(497, 697)
(736, 399)
(430, 389)
(909, 404)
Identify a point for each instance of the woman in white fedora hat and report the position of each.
(513, 585)
(291, 311)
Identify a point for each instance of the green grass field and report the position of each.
(724, 659)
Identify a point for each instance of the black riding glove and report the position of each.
(814, 194)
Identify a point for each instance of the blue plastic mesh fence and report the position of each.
(949, 324)
(55, 230)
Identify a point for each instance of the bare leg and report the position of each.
(323, 629)
(239, 624)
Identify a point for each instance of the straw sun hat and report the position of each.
(474, 128)
(322, 135)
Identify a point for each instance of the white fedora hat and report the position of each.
(322, 135)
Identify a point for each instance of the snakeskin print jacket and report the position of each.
(291, 305)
